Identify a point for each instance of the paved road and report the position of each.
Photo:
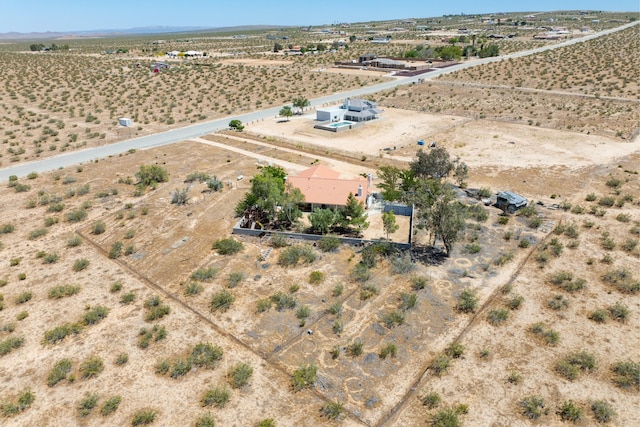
(194, 131)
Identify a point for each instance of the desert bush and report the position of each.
(180, 368)
(263, 305)
(407, 301)
(205, 420)
(293, 255)
(180, 197)
(603, 412)
(143, 417)
(447, 417)
(80, 264)
(467, 301)
(332, 410)
(571, 365)
(150, 175)
(629, 245)
(279, 241)
(472, 248)
(316, 277)
(515, 302)
(569, 411)
(163, 366)
(204, 274)
(355, 348)
(228, 246)
(128, 298)
(393, 318)
(328, 243)
(532, 407)
(10, 344)
(402, 264)
(337, 290)
(50, 258)
(91, 367)
(283, 301)
(627, 375)
(156, 309)
(24, 401)
(619, 311)
(549, 336)
(193, 288)
(99, 227)
(38, 232)
(206, 355)
(557, 302)
(388, 350)
(86, 405)
(622, 279)
(335, 308)
(116, 250)
(514, 377)
(455, 350)
(157, 333)
(122, 359)
(7, 228)
(59, 372)
(110, 405)
(95, 315)
(564, 280)
(337, 327)
(20, 316)
(267, 422)
(216, 396)
(294, 288)
(62, 291)
(221, 301)
(599, 315)
(239, 374)
(59, 333)
(361, 272)
(23, 297)
(76, 215)
(418, 283)
(74, 241)
(304, 377)
(129, 234)
(302, 313)
(431, 400)
(498, 316)
(440, 364)
(503, 258)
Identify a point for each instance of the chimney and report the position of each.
(359, 190)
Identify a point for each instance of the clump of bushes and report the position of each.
(304, 377)
(221, 301)
(228, 246)
(467, 301)
(156, 309)
(573, 364)
(293, 255)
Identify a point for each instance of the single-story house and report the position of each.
(355, 110)
(323, 188)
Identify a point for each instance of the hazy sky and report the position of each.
(78, 15)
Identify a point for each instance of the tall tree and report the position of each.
(286, 112)
(353, 215)
(436, 163)
(391, 182)
(389, 222)
(322, 220)
(301, 103)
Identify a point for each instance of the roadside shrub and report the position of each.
(293, 255)
(564, 280)
(221, 301)
(216, 396)
(627, 375)
(143, 417)
(515, 302)
(110, 405)
(467, 301)
(328, 243)
(157, 333)
(228, 246)
(6, 228)
(532, 407)
(204, 274)
(304, 377)
(116, 250)
(99, 227)
(603, 412)
(91, 367)
(302, 313)
(569, 411)
(87, 404)
(62, 291)
(455, 350)
(151, 175)
(239, 374)
(332, 410)
(440, 364)
(180, 197)
(498, 316)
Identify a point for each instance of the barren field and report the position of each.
(116, 309)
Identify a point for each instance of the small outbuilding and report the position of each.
(510, 202)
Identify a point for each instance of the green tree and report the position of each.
(449, 53)
(447, 219)
(436, 163)
(353, 215)
(286, 112)
(489, 50)
(151, 175)
(236, 124)
(460, 172)
(391, 182)
(301, 103)
(389, 222)
(322, 220)
(277, 47)
(290, 212)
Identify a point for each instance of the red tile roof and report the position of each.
(320, 185)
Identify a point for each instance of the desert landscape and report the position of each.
(125, 299)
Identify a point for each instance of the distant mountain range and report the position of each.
(131, 31)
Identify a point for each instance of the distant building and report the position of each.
(510, 202)
(355, 110)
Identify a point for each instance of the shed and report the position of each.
(123, 121)
(509, 201)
